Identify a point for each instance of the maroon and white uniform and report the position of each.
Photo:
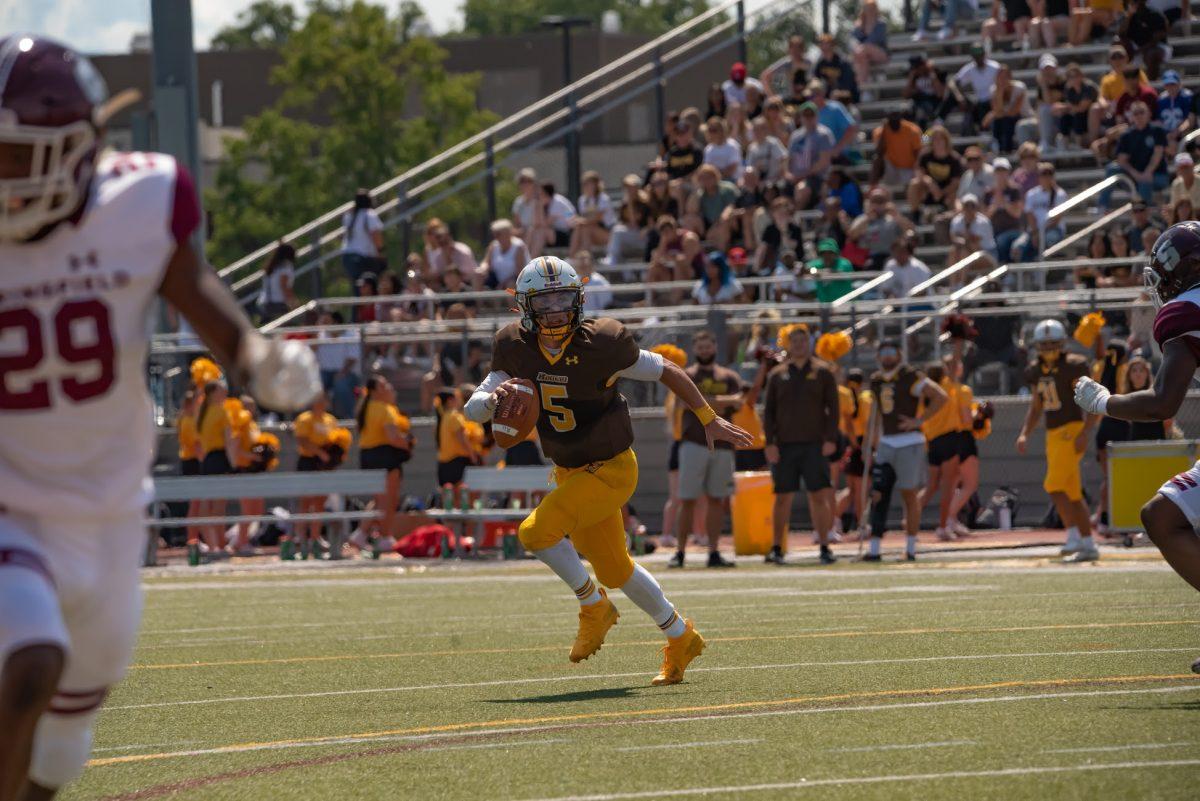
(77, 429)
(1180, 319)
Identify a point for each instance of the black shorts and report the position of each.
(306, 464)
(673, 459)
(751, 460)
(855, 465)
(523, 454)
(561, 239)
(189, 467)
(1111, 430)
(800, 461)
(967, 447)
(382, 457)
(942, 449)
(451, 472)
(216, 463)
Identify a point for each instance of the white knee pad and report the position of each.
(61, 746)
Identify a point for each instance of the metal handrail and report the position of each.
(953, 269)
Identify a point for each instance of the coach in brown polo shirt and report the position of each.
(800, 422)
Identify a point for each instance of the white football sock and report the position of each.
(565, 562)
(1087, 542)
(910, 543)
(874, 547)
(1072, 535)
(644, 591)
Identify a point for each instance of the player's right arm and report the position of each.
(1162, 401)
(483, 400)
(1032, 415)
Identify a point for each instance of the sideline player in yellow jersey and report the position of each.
(1051, 378)
(586, 431)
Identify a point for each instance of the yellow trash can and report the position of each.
(752, 509)
(1135, 472)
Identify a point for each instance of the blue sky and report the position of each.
(108, 25)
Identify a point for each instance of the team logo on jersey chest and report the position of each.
(571, 361)
(548, 378)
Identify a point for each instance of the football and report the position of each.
(516, 414)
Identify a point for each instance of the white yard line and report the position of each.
(673, 746)
(354, 740)
(599, 676)
(1129, 747)
(791, 592)
(858, 780)
(901, 746)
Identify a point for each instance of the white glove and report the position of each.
(280, 374)
(1091, 396)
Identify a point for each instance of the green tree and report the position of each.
(507, 17)
(360, 104)
(266, 23)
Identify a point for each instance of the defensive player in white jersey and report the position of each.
(1172, 516)
(86, 245)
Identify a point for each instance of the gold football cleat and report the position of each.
(678, 653)
(594, 622)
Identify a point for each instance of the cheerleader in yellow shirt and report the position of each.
(855, 407)
(385, 442)
(212, 427)
(189, 452)
(942, 436)
(314, 430)
(244, 436)
(456, 450)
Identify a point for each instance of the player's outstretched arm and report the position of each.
(716, 429)
(1160, 402)
(281, 375)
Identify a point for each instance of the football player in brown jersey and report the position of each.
(1051, 377)
(585, 430)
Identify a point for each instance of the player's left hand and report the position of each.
(721, 430)
(1081, 442)
(1091, 396)
(280, 374)
(909, 423)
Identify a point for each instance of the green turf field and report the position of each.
(1012, 680)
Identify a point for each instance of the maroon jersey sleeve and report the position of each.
(1178, 319)
(185, 208)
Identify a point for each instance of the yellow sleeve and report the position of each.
(399, 420)
(304, 426)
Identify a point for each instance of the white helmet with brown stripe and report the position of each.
(550, 296)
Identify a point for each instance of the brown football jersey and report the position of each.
(584, 418)
(894, 396)
(1055, 385)
(711, 381)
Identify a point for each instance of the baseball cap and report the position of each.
(1138, 205)
(1002, 164)
(825, 37)
(738, 256)
(1184, 160)
(976, 49)
(970, 198)
(527, 174)
(1170, 76)
(737, 71)
(1047, 60)
(815, 85)
(808, 106)
(827, 246)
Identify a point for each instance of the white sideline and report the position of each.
(1129, 747)
(793, 593)
(850, 780)
(900, 747)
(354, 740)
(672, 746)
(594, 676)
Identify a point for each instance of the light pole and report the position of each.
(571, 140)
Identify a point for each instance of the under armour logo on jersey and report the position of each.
(572, 360)
(77, 263)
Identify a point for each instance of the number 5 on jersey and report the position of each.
(562, 418)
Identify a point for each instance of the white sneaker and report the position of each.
(959, 529)
(835, 535)
(1025, 44)
(1070, 546)
(944, 535)
(919, 36)
(944, 34)
(1083, 555)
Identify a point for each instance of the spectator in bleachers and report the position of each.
(684, 156)
(387, 285)
(846, 190)
(738, 219)
(1025, 176)
(367, 286)
(970, 231)
(1010, 104)
(1093, 19)
(737, 125)
(834, 224)
(551, 223)
(1040, 233)
(878, 228)
(782, 235)
(1049, 85)
(973, 86)
(1073, 111)
(276, 296)
(716, 101)
(1141, 221)
(778, 76)
(1004, 205)
(778, 123)
(592, 224)
(506, 254)
(1144, 34)
(633, 219)
(721, 151)
(810, 153)
(897, 147)
(598, 294)
(928, 89)
(1016, 22)
(691, 115)
(835, 71)
(1051, 19)
(829, 259)
(659, 199)
(333, 347)
(454, 283)
(741, 89)
(1141, 154)
(1176, 110)
(449, 254)
(1181, 211)
(907, 270)
(765, 154)
(1185, 185)
(362, 242)
(526, 204)
(978, 177)
(706, 207)
(834, 116)
(416, 284)
(939, 170)
(1149, 237)
(677, 257)
(1113, 84)
(1174, 11)
(869, 44)
(718, 284)
(951, 10)
(343, 389)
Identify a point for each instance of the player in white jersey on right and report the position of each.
(87, 244)
(1172, 516)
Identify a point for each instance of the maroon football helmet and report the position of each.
(1174, 266)
(49, 99)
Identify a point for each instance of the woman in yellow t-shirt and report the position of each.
(455, 450)
(189, 451)
(314, 430)
(943, 444)
(212, 429)
(385, 442)
(1091, 19)
(855, 407)
(968, 451)
(244, 435)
